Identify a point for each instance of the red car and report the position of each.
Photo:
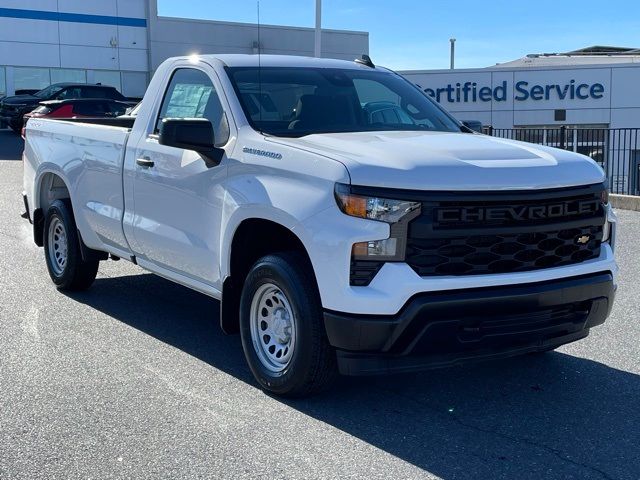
(77, 108)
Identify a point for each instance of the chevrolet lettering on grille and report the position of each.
(518, 213)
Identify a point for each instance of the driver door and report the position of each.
(177, 197)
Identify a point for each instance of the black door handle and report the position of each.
(145, 162)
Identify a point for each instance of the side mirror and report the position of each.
(191, 134)
(474, 125)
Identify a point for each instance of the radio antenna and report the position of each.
(259, 68)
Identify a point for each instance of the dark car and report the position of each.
(78, 108)
(27, 91)
(13, 109)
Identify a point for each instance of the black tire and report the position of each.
(76, 274)
(543, 351)
(312, 366)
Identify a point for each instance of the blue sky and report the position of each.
(414, 34)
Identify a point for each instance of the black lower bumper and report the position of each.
(13, 122)
(446, 328)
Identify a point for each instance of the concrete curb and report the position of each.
(625, 202)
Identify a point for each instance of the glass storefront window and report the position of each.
(3, 82)
(109, 78)
(60, 75)
(31, 78)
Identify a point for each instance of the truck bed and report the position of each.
(88, 155)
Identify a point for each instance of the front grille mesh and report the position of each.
(487, 254)
(442, 245)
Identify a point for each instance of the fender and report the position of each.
(248, 212)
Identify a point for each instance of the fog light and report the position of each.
(376, 250)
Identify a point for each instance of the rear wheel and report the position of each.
(282, 329)
(64, 260)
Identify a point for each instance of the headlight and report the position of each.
(397, 213)
(373, 208)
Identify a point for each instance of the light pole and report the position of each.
(453, 52)
(318, 40)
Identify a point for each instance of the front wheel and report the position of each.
(282, 328)
(66, 267)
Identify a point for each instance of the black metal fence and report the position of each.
(617, 150)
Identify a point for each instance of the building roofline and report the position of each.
(255, 25)
(521, 68)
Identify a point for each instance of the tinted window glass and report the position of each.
(48, 92)
(101, 92)
(191, 94)
(90, 108)
(71, 92)
(99, 108)
(301, 101)
(116, 109)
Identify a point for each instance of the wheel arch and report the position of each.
(50, 185)
(252, 238)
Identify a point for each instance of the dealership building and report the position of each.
(592, 87)
(586, 100)
(121, 42)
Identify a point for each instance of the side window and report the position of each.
(91, 108)
(95, 92)
(191, 94)
(71, 92)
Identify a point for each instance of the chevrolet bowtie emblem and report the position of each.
(583, 240)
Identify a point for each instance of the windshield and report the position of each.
(294, 102)
(48, 92)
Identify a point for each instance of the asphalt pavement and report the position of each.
(133, 379)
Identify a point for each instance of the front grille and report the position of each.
(511, 232)
(484, 254)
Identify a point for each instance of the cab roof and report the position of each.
(243, 60)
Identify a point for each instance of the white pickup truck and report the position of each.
(346, 222)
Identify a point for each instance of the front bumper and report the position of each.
(11, 121)
(445, 328)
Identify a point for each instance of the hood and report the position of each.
(21, 100)
(449, 161)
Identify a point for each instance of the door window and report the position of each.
(71, 92)
(191, 94)
(101, 92)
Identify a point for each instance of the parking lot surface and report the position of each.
(133, 379)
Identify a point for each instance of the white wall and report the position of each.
(174, 37)
(51, 43)
(136, 50)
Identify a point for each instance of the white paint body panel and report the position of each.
(179, 218)
(451, 161)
